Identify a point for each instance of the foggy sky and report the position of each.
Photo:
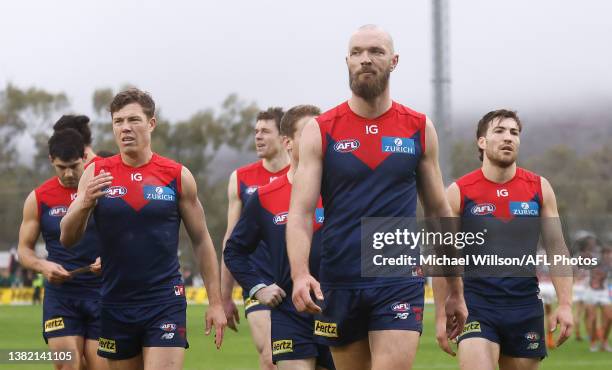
(190, 55)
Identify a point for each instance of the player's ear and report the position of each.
(482, 143)
(394, 61)
(50, 159)
(152, 123)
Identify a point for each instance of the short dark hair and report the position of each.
(272, 113)
(293, 115)
(133, 95)
(80, 123)
(487, 119)
(66, 145)
(105, 153)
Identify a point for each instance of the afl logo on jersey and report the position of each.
(280, 218)
(58, 211)
(483, 209)
(116, 192)
(346, 146)
(250, 190)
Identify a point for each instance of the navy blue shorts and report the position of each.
(349, 314)
(69, 316)
(293, 337)
(125, 330)
(252, 304)
(519, 330)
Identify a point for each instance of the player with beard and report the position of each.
(273, 163)
(367, 157)
(71, 307)
(80, 123)
(505, 326)
(138, 200)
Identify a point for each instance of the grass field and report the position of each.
(20, 329)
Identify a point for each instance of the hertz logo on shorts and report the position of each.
(326, 329)
(107, 345)
(471, 327)
(54, 324)
(282, 346)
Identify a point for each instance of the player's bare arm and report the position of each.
(91, 188)
(552, 238)
(192, 213)
(28, 234)
(234, 208)
(440, 287)
(304, 196)
(435, 204)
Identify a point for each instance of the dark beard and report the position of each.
(369, 90)
(501, 163)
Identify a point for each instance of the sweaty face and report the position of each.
(268, 141)
(370, 62)
(132, 128)
(502, 141)
(69, 172)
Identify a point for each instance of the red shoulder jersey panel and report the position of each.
(254, 175)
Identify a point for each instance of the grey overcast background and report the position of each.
(534, 56)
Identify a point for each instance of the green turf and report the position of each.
(20, 329)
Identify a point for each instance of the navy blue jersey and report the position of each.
(250, 178)
(507, 211)
(264, 218)
(138, 220)
(53, 200)
(369, 170)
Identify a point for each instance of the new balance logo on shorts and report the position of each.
(326, 329)
(282, 346)
(107, 345)
(54, 324)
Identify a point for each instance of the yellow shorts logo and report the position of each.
(326, 329)
(471, 327)
(282, 346)
(107, 345)
(54, 324)
(250, 302)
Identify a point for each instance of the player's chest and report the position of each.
(516, 200)
(141, 191)
(358, 148)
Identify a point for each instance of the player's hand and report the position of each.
(96, 267)
(55, 273)
(442, 335)
(562, 317)
(271, 296)
(96, 188)
(302, 286)
(216, 317)
(456, 314)
(231, 314)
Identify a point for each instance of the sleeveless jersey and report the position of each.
(53, 200)
(264, 218)
(506, 211)
(250, 178)
(369, 170)
(138, 220)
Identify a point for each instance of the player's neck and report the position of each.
(89, 154)
(291, 173)
(137, 159)
(498, 174)
(371, 108)
(276, 163)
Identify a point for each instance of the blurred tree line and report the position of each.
(205, 141)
